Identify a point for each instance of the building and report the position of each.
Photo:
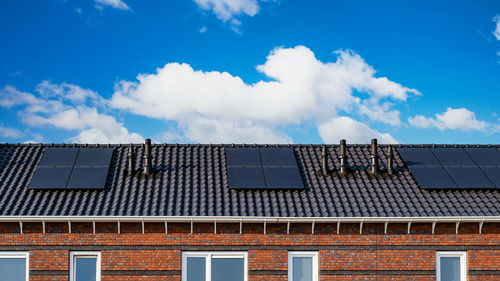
(249, 212)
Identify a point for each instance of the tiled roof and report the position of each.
(193, 182)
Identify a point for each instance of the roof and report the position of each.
(193, 182)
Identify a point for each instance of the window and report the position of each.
(451, 266)
(85, 266)
(302, 266)
(214, 266)
(14, 266)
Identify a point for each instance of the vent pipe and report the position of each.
(390, 157)
(374, 158)
(148, 169)
(343, 158)
(324, 168)
(131, 158)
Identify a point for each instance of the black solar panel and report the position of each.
(58, 156)
(453, 157)
(94, 157)
(282, 156)
(485, 156)
(50, 178)
(418, 157)
(283, 178)
(245, 177)
(462, 168)
(469, 177)
(88, 178)
(249, 157)
(493, 173)
(72, 167)
(432, 178)
(263, 168)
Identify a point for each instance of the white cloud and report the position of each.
(117, 4)
(7, 132)
(227, 9)
(355, 132)
(69, 107)
(217, 106)
(460, 119)
(203, 29)
(66, 91)
(496, 32)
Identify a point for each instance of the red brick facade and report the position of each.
(349, 255)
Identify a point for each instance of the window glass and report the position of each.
(13, 269)
(302, 269)
(450, 268)
(86, 268)
(196, 269)
(228, 269)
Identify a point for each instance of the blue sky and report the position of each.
(249, 71)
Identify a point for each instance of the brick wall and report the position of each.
(155, 255)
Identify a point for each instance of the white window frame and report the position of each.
(463, 263)
(313, 255)
(72, 263)
(18, 255)
(208, 262)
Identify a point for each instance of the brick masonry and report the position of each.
(349, 255)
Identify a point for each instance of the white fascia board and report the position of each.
(245, 219)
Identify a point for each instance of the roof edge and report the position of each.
(248, 219)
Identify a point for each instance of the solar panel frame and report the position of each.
(485, 156)
(50, 178)
(453, 157)
(246, 178)
(469, 178)
(421, 157)
(432, 177)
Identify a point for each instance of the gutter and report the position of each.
(248, 219)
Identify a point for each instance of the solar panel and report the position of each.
(94, 157)
(485, 156)
(469, 177)
(493, 173)
(72, 167)
(418, 157)
(283, 177)
(432, 178)
(88, 178)
(50, 178)
(58, 156)
(260, 168)
(249, 157)
(282, 156)
(245, 177)
(453, 157)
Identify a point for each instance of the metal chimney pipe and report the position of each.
(374, 158)
(390, 157)
(324, 168)
(148, 169)
(343, 158)
(131, 158)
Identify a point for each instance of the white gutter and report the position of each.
(247, 219)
